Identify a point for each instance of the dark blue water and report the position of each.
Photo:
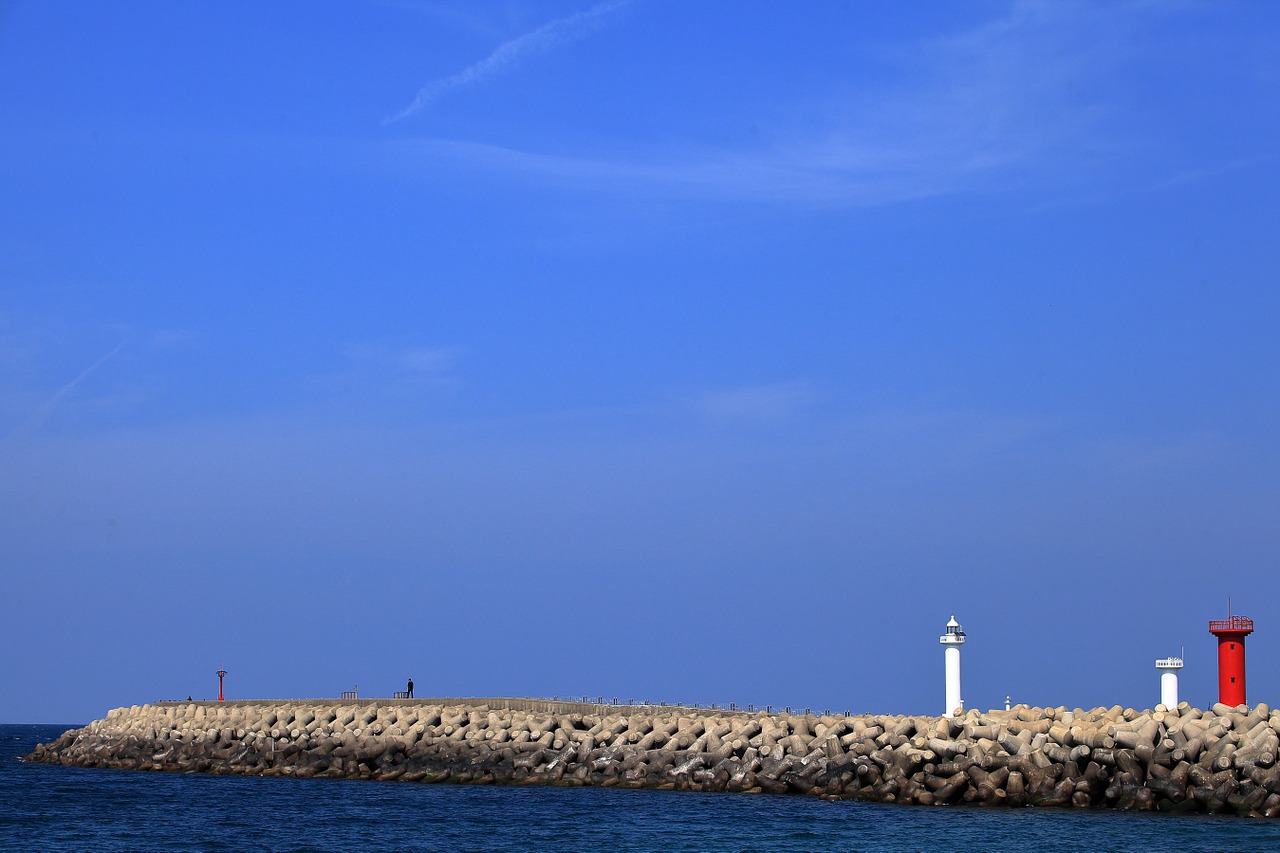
(62, 808)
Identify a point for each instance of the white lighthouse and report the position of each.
(951, 642)
(1169, 681)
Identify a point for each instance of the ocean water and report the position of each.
(64, 808)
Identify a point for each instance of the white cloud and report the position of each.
(551, 35)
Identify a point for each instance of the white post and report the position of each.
(952, 655)
(1169, 681)
(952, 641)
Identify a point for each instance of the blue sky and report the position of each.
(690, 352)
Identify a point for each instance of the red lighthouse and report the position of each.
(1231, 633)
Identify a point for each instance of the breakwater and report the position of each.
(1220, 760)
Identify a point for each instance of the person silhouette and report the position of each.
(410, 690)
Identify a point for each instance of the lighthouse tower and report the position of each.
(1231, 633)
(951, 643)
(1169, 681)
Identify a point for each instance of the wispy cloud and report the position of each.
(421, 361)
(766, 403)
(551, 35)
(816, 174)
(384, 377)
(1018, 100)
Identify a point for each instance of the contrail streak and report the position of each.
(544, 38)
(42, 414)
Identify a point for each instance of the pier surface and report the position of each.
(1220, 760)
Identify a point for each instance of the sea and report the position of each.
(75, 809)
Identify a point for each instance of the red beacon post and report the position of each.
(1231, 633)
(222, 673)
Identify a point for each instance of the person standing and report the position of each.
(410, 690)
